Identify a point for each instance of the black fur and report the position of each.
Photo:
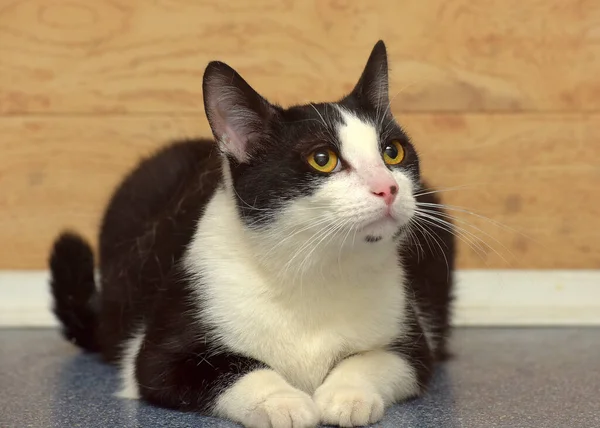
(74, 290)
(430, 270)
(150, 220)
(177, 367)
(148, 224)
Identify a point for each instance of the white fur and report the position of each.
(358, 389)
(131, 348)
(360, 143)
(263, 399)
(353, 308)
(309, 291)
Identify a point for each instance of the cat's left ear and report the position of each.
(373, 85)
(237, 114)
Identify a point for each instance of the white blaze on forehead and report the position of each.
(359, 140)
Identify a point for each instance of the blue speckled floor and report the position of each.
(499, 378)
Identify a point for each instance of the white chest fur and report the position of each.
(298, 329)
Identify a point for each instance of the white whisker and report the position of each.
(466, 211)
(433, 236)
(470, 225)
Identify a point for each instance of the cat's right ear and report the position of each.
(237, 113)
(373, 85)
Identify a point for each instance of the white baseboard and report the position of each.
(483, 298)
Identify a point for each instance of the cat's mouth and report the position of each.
(387, 223)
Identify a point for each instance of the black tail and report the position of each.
(74, 290)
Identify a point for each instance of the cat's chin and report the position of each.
(384, 228)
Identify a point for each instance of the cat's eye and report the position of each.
(324, 160)
(393, 153)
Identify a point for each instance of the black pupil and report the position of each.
(392, 151)
(321, 158)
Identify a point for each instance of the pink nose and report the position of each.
(386, 191)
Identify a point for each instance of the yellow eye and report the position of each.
(393, 153)
(324, 160)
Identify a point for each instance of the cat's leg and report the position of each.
(220, 384)
(359, 388)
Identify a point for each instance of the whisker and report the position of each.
(332, 232)
(426, 237)
(413, 238)
(475, 246)
(459, 229)
(315, 108)
(408, 244)
(328, 236)
(430, 191)
(298, 251)
(470, 225)
(308, 227)
(341, 248)
(307, 244)
(422, 227)
(466, 211)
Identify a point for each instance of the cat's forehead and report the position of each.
(312, 116)
(334, 123)
(359, 139)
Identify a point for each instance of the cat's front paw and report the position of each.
(348, 406)
(284, 409)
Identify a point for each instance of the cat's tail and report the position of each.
(74, 289)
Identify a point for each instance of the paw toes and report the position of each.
(291, 411)
(349, 407)
(377, 412)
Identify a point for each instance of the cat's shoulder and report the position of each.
(181, 156)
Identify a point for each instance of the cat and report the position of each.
(278, 278)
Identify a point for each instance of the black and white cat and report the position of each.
(277, 278)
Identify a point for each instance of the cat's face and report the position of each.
(323, 172)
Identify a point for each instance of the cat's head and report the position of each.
(321, 170)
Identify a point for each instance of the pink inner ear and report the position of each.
(232, 143)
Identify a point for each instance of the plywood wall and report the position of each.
(501, 97)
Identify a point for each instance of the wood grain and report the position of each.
(537, 175)
(501, 97)
(124, 56)
(59, 173)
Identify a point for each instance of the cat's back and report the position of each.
(148, 222)
(173, 178)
